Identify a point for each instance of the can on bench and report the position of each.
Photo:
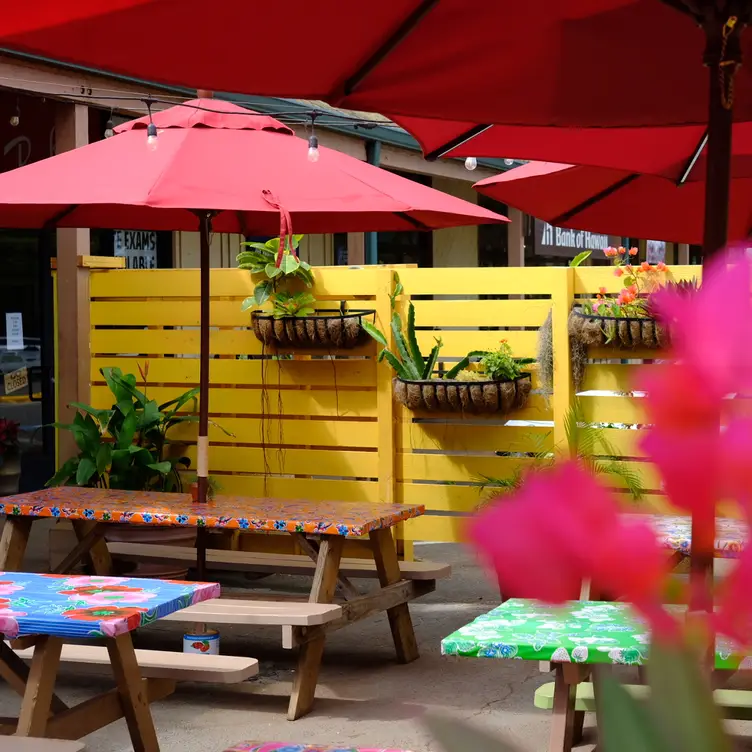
(206, 642)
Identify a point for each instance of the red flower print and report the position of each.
(132, 614)
(96, 590)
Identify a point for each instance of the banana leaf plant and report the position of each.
(127, 446)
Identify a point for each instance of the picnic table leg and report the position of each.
(133, 694)
(37, 699)
(387, 566)
(15, 671)
(13, 542)
(99, 555)
(309, 659)
(564, 720)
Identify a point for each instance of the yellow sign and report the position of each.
(16, 380)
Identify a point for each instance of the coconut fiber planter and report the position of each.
(451, 396)
(623, 333)
(325, 329)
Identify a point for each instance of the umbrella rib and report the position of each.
(416, 223)
(463, 138)
(588, 202)
(386, 48)
(701, 144)
(62, 214)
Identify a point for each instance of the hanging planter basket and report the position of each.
(451, 396)
(324, 329)
(620, 333)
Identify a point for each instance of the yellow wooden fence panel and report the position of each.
(323, 427)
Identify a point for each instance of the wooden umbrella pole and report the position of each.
(202, 464)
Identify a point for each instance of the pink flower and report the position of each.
(8, 627)
(561, 528)
(8, 587)
(618, 272)
(633, 251)
(597, 305)
(622, 250)
(609, 252)
(94, 581)
(602, 291)
(115, 599)
(645, 267)
(661, 267)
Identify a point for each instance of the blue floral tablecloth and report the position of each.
(76, 607)
(578, 632)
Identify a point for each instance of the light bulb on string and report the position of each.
(109, 129)
(508, 162)
(152, 141)
(313, 149)
(471, 163)
(15, 119)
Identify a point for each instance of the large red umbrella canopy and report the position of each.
(565, 63)
(220, 161)
(616, 202)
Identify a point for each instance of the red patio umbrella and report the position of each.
(227, 171)
(616, 202)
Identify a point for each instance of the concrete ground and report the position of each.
(364, 698)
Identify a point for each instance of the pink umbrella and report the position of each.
(213, 166)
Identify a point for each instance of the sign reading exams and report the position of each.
(559, 241)
(138, 247)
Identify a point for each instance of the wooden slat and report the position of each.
(480, 312)
(477, 436)
(457, 344)
(269, 613)
(184, 342)
(440, 497)
(343, 373)
(164, 664)
(287, 431)
(612, 409)
(353, 464)
(455, 467)
(294, 402)
(252, 561)
(481, 281)
(295, 488)
(184, 283)
(434, 528)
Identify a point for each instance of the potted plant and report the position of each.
(293, 320)
(213, 488)
(624, 320)
(10, 457)
(498, 386)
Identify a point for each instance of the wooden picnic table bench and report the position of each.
(574, 638)
(287, 747)
(319, 528)
(51, 610)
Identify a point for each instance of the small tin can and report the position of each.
(202, 642)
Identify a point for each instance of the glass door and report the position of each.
(26, 359)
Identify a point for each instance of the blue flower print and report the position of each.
(89, 514)
(146, 517)
(55, 511)
(182, 519)
(243, 523)
(343, 529)
(280, 525)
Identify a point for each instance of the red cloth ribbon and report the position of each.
(285, 226)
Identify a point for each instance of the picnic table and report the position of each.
(675, 534)
(319, 528)
(50, 610)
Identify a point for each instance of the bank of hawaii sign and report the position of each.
(560, 241)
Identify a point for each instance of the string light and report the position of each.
(508, 162)
(109, 128)
(151, 131)
(15, 119)
(471, 163)
(313, 142)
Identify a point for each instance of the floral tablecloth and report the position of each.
(675, 533)
(579, 632)
(70, 607)
(351, 519)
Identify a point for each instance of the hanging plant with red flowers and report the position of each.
(8, 439)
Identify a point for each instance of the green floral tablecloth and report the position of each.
(580, 632)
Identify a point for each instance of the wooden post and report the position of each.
(682, 256)
(562, 297)
(72, 131)
(515, 238)
(385, 404)
(356, 248)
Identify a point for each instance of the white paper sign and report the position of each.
(16, 380)
(14, 339)
(656, 251)
(138, 247)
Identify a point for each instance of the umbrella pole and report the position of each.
(202, 463)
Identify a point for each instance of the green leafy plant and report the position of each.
(501, 365)
(292, 304)
(127, 446)
(580, 259)
(214, 487)
(261, 260)
(586, 443)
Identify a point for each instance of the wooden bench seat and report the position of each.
(266, 613)
(164, 664)
(287, 747)
(736, 703)
(250, 561)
